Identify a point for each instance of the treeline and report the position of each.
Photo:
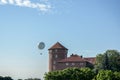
(107, 67)
(110, 60)
(9, 78)
(82, 74)
(5, 78)
(33, 79)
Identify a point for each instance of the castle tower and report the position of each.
(56, 52)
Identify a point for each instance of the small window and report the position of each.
(54, 67)
(67, 64)
(50, 56)
(73, 63)
(56, 56)
(65, 56)
(54, 62)
(81, 63)
(50, 51)
(56, 50)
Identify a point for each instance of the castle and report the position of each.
(58, 59)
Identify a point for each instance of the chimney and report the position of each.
(81, 56)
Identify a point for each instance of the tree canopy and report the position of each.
(5, 78)
(110, 60)
(71, 74)
(82, 74)
(107, 75)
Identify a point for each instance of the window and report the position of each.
(67, 64)
(65, 56)
(50, 56)
(73, 63)
(50, 51)
(56, 56)
(56, 50)
(81, 64)
(54, 68)
(54, 62)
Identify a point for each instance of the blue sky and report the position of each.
(85, 27)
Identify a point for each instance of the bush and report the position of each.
(71, 74)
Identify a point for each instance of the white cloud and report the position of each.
(27, 3)
(11, 1)
(3, 1)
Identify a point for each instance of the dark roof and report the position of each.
(73, 58)
(57, 46)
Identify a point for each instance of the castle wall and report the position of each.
(64, 65)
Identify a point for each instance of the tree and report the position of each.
(1, 78)
(88, 73)
(105, 75)
(116, 75)
(5, 78)
(110, 60)
(33, 79)
(71, 74)
(8, 78)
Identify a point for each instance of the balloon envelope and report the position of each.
(41, 45)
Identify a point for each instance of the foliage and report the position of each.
(19, 79)
(5, 78)
(116, 75)
(107, 75)
(71, 74)
(88, 73)
(110, 60)
(33, 79)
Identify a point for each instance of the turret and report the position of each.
(56, 52)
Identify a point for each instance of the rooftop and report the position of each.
(73, 58)
(77, 58)
(57, 46)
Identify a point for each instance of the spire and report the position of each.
(58, 46)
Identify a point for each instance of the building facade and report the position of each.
(58, 59)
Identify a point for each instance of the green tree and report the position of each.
(71, 74)
(55, 75)
(110, 60)
(8, 78)
(88, 74)
(1, 78)
(5, 78)
(105, 75)
(33, 79)
(116, 75)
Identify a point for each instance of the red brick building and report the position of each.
(58, 59)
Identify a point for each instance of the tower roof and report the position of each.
(57, 46)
